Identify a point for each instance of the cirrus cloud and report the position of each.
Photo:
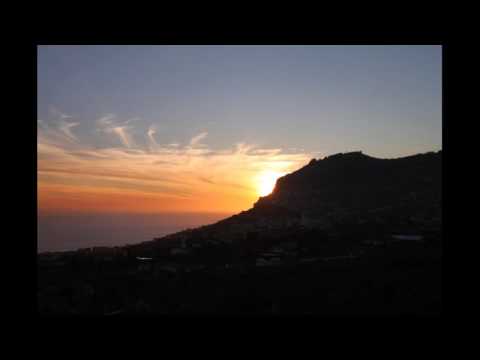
(193, 177)
(108, 124)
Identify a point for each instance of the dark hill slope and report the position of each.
(357, 182)
(337, 192)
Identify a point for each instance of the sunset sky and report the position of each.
(167, 129)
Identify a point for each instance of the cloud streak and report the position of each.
(196, 139)
(66, 129)
(192, 177)
(109, 125)
(151, 138)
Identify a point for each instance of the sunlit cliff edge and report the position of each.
(346, 188)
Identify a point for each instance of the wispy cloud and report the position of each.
(66, 129)
(192, 177)
(196, 139)
(108, 124)
(106, 120)
(59, 114)
(59, 130)
(151, 138)
(121, 132)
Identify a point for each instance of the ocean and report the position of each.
(64, 232)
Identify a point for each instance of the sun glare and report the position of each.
(267, 182)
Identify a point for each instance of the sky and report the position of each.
(208, 129)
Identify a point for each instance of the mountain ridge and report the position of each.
(343, 188)
(353, 174)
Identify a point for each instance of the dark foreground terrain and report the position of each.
(400, 279)
(348, 235)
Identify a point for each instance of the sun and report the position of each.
(267, 181)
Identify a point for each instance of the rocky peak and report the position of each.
(354, 180)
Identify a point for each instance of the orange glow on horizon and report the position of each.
(76, 177)
(67, 199)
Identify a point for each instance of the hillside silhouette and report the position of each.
(350, 188)
(349, 234)
(357, 182)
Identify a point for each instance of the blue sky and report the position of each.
(384, 100)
